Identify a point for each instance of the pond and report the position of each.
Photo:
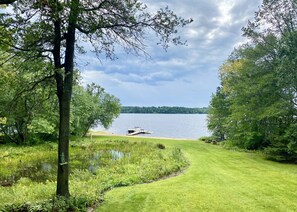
(42, 171)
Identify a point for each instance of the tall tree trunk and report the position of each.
(64, 87)
(63, 146)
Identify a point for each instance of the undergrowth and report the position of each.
(27, 174)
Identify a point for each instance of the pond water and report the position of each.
(42, 171)
(191, 126)
(36, 171)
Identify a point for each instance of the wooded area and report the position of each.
(256, 105)
(29, 109)
(164, 110)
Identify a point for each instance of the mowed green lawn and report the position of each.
(216, 180)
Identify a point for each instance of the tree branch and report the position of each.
(7, 1)
(110, 26)
(33, 86)
(7, 60)
(95, 8)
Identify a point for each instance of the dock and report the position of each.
(137, 131)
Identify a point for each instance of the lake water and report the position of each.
(190, 126)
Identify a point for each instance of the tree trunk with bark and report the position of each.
(64, 92)
(63, 146)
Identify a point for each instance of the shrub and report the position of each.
(161, 146)
(284, 148)
(55, 204)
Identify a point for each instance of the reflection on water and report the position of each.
(42, 171)
(94, 163)
(112, 154)
(116, 155)
(38, 172)
(46, 167)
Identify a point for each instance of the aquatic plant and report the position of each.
(27, 174)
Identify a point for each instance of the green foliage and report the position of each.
(91, 107)
(29, 108)
(58, 204)
(95, 168)
(284, 149)
(160, 146)
(217, 115)
(164, 110)
(41, 125)
(257, 106)
(26, 98)
(208, 139)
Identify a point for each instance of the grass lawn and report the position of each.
(216, 180)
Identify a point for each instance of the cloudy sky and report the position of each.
(183, 75)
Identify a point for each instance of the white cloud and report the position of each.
(184, 75)
(225, 16)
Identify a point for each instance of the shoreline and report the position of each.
(100, 133)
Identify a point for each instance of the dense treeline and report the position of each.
(256, 105)
(163, 110)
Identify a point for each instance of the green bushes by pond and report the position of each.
(28, 174)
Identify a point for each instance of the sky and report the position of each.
(183, 75)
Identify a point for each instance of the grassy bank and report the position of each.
(216, 180)
(28, 174)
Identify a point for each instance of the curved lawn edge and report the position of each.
(217, 180)
(139, 162)
(139, 139)
(166, 177)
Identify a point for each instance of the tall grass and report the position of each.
(27, 174)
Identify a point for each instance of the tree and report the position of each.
(249, 87)
(29, 112)
(92, 106)
(24, 102)
(217, 114)
(54, 29)
(278, 19)
(259, 83)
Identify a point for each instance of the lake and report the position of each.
(191, 126)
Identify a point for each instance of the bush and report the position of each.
(280, 154)
(161, 146)
(55, 204)
(280, 151)
(284, 148)
(206, 139)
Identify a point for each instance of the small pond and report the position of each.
(41, 171)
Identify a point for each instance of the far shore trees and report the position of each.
(55, 30)
(163, 110)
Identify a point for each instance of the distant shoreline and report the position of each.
(163, 110)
